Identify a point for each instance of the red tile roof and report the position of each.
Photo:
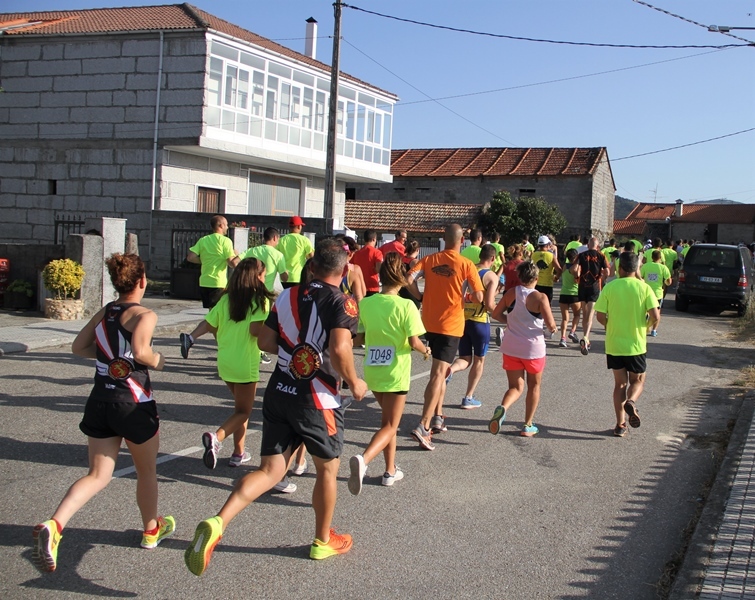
(496, 162)
(696, 213)
(629, 226)
(415, 217)
(171, 17)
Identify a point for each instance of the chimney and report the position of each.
(310, 43)
(679, 208)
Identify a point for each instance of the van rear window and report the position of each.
(712, 257)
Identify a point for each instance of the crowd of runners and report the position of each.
(337, 297)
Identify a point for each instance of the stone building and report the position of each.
(577, 180)
(166, 115)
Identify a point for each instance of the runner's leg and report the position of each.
(533, 396)
(384, 440)
(516, 387)
(145, 462)
(243, 400)
(620, 380)
(475, 374)
(324, 495)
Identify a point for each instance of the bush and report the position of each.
(21, 286)
(63, 277)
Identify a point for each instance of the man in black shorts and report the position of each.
(591, 269)
(311, 329)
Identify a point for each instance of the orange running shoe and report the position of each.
(337, 544)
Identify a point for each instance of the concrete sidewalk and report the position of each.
(720, 561)
(22, 331)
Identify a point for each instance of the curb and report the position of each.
(692, 573)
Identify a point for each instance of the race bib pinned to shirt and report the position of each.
(380, 356)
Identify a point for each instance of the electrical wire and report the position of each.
(528, 39)
(720, 137)
(572, 78)
(427, 95)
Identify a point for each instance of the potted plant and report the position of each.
(64, 278)
(19, 294)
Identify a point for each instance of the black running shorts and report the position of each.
(547, 290)
(443, 347)
(588, 294)
(210, 296)
(633, 364)
(137, 422)
(568, 299)
(287, 423)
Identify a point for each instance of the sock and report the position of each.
(59, 527)
(153, 531)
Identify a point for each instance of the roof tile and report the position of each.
(415, 217)
(696, 213)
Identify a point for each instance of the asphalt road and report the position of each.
(571, 513)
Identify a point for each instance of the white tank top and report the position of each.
(524, 332)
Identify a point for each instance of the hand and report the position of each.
(358, 390)
(428, 354)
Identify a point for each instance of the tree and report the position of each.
(514, 218)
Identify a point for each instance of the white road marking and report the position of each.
(194, 449)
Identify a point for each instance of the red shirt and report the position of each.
(367, 259)
(394, 246)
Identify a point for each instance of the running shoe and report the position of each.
(620, 430)
(529, 431)
(449, 375)
(653, 333)
(300, 469)
(237, 460)
(44, 555)
(573, 337)
(424, 437)
(389, 480)
(634, 416)
(165, 528)
(499, 416)
(584, 346)
(186, 344)
(337, 544)
(562, 343)
(469, 403)
(285, 486)
(197, 556)
(438, 424)
(265, 358)
(358, 469)
(499, 336)
(211, 449)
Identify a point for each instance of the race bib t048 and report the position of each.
(380, 356)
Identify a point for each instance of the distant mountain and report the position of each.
(622, 207)
(719, 201)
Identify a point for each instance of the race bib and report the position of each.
(380, 356)
(652, 276)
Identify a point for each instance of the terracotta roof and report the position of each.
(629, 226)
(696, 213)
(415, 217)
(496, 162)
(170, 17)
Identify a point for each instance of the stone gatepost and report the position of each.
(113, 232)
(87, 250)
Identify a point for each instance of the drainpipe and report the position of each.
(154, 140)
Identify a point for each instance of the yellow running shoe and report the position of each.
(337, 544)
(44, 555)
(165, 528)
(206, 537)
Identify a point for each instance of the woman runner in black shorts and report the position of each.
(119, 407)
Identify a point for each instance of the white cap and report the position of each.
(543, 240)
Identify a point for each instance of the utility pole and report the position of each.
(330, 157)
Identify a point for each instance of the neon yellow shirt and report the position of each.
(238, 352)
(626, 300)
(544, 261)
(608, 253)
(499, 250)
(654, 274)
(295, 247)
(388, 322)
(472, 253)
(573, 244)
(213, 251)
(670, 256)
(274, 262)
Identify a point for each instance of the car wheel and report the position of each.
(682, 303)
(741, 310)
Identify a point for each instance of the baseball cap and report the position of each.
(543, 240)
(295, 221)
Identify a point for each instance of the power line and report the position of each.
(666, 12)
(528, 39)
(562, 79)
(428, 96)
(720, 137)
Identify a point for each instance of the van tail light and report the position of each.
(682, 276)
(742, 281)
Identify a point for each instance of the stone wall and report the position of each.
(77, 121)
(27, 260)
(586, 207)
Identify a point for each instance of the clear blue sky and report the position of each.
(696, 94)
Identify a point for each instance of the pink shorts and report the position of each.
(531, 365)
